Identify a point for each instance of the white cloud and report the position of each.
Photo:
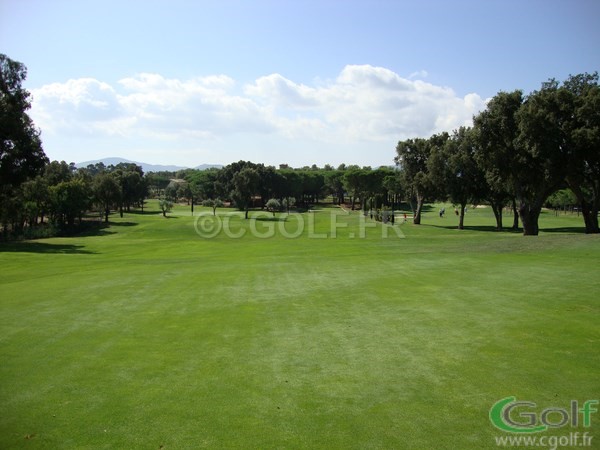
(418, 74)
(282, 92)
(370, 77)
(74, 105)
(364, 104)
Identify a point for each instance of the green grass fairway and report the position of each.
(148, 336)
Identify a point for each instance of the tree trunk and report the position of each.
(497, 214)
(529, 216)
(515, 225)
(106, 212)
(589, 210)
(246, 214)
(121, 210)
(461, 220)
(417, 213)
(590, 217)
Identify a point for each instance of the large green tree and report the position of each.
(21, 152)
(134, 187)
(353, 184)
(581, 125)
(453, 167)
(393, 185)
(412, 156)
(293, 185)
(69, 201)
(204, 183)
(36, 195)
(496, 131)
(245, 187)
(106, 192)
(132, 184)
(509, 160)
(334, 183)
(543, 151)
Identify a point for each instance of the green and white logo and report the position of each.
(515, 416)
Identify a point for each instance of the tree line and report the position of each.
(246, 184)
(61, 195)
(519, 153)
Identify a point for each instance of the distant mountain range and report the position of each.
(145, 166)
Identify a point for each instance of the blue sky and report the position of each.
(297, 82)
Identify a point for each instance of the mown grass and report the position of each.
(149, 335)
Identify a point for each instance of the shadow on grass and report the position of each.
(580, 230)
(270, 219)
(145, 212)
(123, 224)
(43, 247)
(101, 231)
(486, 228)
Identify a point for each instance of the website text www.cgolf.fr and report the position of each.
(522, 424)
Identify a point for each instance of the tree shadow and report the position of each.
(43, 247)
(270, 219)
(123, 224)
(485, 228)
(143, 213)
(100, 231)
(579, 230)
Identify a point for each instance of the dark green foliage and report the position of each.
(21, 153)
(412, 158)
(69, 200)
(453, 167)
(531, 146)
(157, 182)
(583, 128)
(245, 187)
(107, 192)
